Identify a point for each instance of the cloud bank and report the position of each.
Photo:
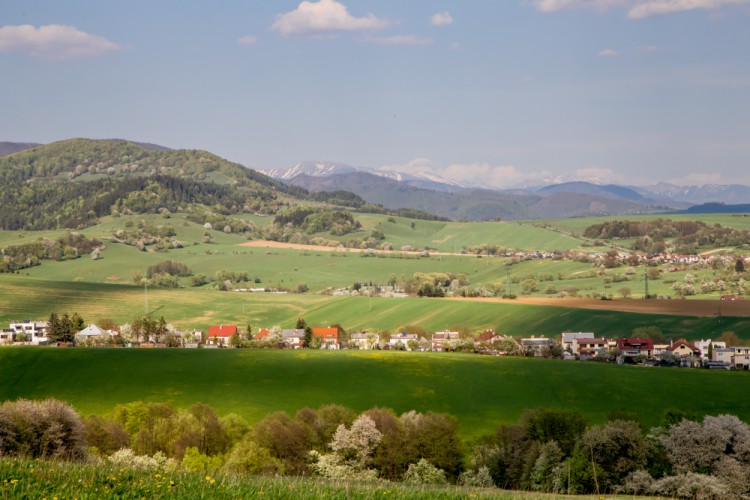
(53, 41)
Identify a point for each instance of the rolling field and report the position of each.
(24, 298)
(480, 391)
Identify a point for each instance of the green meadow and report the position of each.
(480, 391)
(25, 298)
(48, 479)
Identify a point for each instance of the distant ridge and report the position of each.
(717, 208)
(8, 148)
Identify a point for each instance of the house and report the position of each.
(220, 335)
(364, 340)
(537, 346)
(6, 336)
(293, 338)
(568, 338)
(329, 337)
(723, 355)
(401, 340)
(635, 346)
(92, 334)
(440, 339)
(34, 332)
(263, 334)
(587, 348)
(703, 345)
(741, 358)
(684, 349)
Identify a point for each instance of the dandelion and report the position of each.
(14, 481)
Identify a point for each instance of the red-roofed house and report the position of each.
(219, 335)
(329, 337)
(262, 334)
(682, 348)
(636, 346)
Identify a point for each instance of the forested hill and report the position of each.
(86, 159)
(70, 184)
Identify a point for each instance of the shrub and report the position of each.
(423, 472)
(41, 429)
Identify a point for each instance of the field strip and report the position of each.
(677, 307)
(321, 248)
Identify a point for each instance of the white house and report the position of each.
(440, 339)
(569, 337)
(294, 338)
(402, 339)
(364, 340)
(703, 346)
(35, 332)
(91, 334)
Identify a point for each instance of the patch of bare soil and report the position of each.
(679, 307)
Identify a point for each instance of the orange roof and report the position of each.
(222, 330)
(326, 333)
(263, 333)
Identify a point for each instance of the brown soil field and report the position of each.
(680, 307)
(319, 248)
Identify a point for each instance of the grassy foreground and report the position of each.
(39, 479)
(480, 391)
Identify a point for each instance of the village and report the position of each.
(571, 346)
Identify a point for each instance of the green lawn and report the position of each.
(480, 391)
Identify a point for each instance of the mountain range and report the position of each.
(392, 189)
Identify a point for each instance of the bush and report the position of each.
(41, 429)
(423, 472)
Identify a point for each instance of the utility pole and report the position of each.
(507, 281)
(145, 297)
(645, 275)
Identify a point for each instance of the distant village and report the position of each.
(581, 346)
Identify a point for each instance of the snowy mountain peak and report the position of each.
(327, 169)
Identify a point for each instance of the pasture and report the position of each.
(24, 298)
(480, 391)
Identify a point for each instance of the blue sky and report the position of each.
(495, 93)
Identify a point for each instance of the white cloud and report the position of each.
(412, 40)
(656, 7)
(322, 18)
(637, 9)
(607, 53)
(441, 19)
(247, 40)
(53, 41)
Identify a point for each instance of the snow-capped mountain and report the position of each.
(328, 169)
(707, 193)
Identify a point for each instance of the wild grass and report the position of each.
(41, 479)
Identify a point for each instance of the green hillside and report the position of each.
(481, 391)
(24, 298)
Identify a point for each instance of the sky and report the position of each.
(494, 93)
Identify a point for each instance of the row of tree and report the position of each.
(546, 450)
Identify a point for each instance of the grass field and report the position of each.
(40, 479)
(480, 391)
(25, 298)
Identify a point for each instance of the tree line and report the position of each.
(547, 450)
